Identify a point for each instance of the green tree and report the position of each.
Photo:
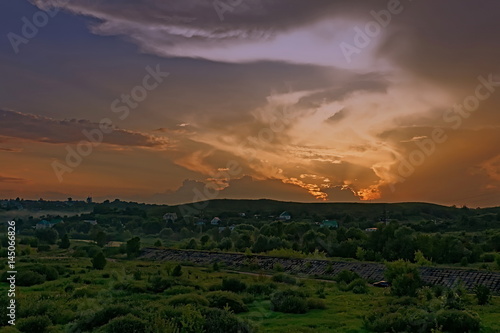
(483, 294)
(99, 261)
(100, 238)
(47, 235)
(404, 277)
(65, 244)
(133, 247)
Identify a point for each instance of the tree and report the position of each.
(47, 235)
(99, 261)
(261, 245)
(65, 244)
(404, 277)
(101, 238)
(133, 247)
(483, 294)
(204, 239)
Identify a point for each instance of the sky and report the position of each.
(313, 101)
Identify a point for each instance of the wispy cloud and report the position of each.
(42, 129)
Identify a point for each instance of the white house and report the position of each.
(170, 216)
(285, 216)
(92, 222)
(215, 221)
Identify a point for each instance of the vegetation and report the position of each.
(84, 277)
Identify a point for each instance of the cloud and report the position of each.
(252, 30)
(47, 130)
(14, 180)
(245, 187)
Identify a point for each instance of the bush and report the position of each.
(177, 271)
(404, 278)
(217, 321)
(102, 317)
(346, 276)
(43, 248)
(221, 299)
(158, 284)
(178, 290)
(358, 286)
(401, 320)
(488, 257)
(483, 294)
(261, 288)
(234, 285)
(185, 299)
(284, 278)
(457, 321)
(49, 272)
(27, 278)
(316, 303)
(38, 324)
(128, 323)
(289, 301)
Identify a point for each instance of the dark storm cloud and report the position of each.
(42, 129)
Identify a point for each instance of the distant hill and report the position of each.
(265, 207)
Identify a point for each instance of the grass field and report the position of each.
(81, 291)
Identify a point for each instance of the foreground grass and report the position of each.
(83, 290)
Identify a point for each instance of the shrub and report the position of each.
(358, 286)
(49, 272)
(403, 320)
(102, 317)
(128, 323)
(83, 292)
(457, 321)
(27, 278)
(37, 324)
(137, 275)
(43, 248)
(222, 299)
(233, 284)
(404, 277)
(177, 271)
(284, 278)
(316, 303)
(261, 288)
(158, 284)
(178, 290)
(483, 294)
(185, 299)
(488, 257)
(289, 301)
(217, 321)
(346, 276)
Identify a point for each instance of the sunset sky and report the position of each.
(297, 100)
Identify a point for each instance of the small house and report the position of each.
(285, 216)
(170, 217)
(215, 221)
(329, 224)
